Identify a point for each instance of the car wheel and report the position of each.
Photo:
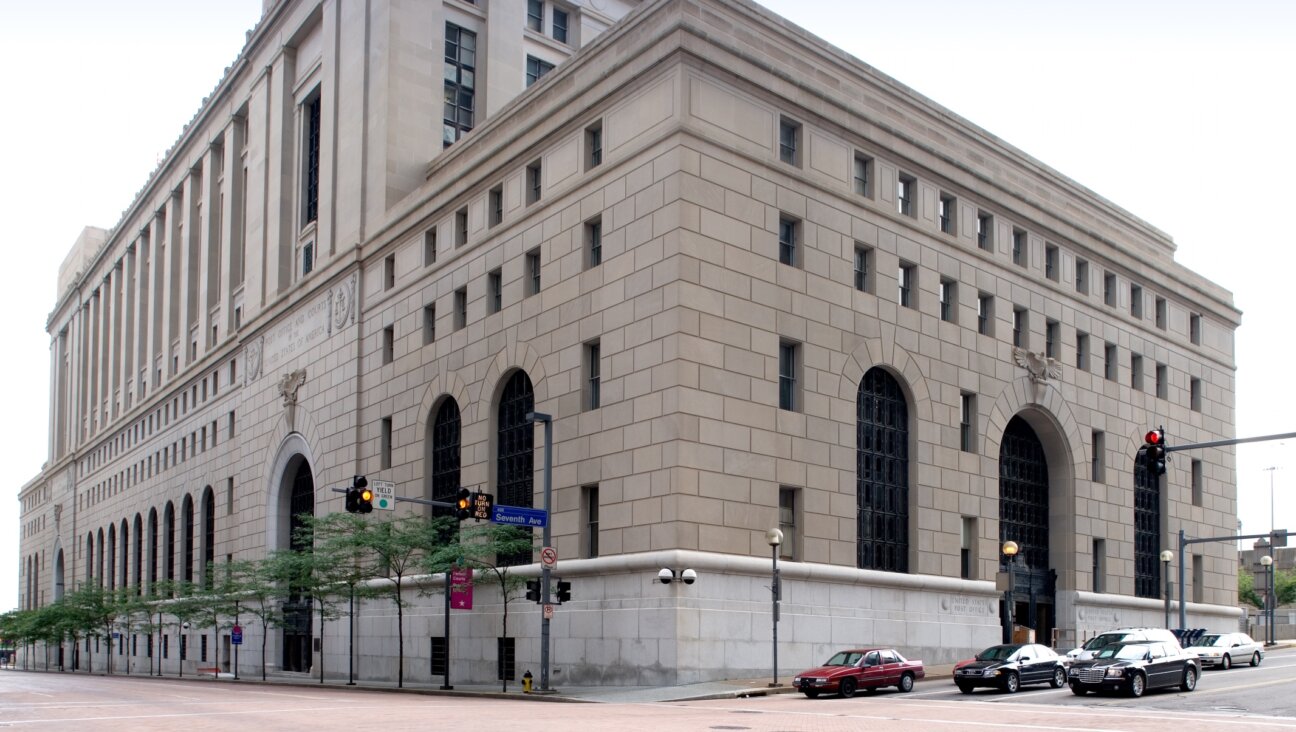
(848, 688)
(1011, 683)
(812, 694)
(965, 688)
(1059, 678)
(1189, 679)
(1137, 685)
(1255, 658)
(906, 683)
(1078, 690)
(1226, 663)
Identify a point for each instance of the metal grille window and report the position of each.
(788, 240)
(536, 68)
(1147, 532)
(1023, 494)
(515, 453)
(882, 473)
(460, 83)
(312, 160)
(861, 269)
(186, 540)
(209, 538)
(504, 652)
(445, 456)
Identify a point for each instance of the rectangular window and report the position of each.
(787, 522)
(594, 242)
(385, 443)
(1195, 394)
(311, 161)
(948, 300)
(388, 345)
(495, 205)
(461, 226)
(1052, 334)
(788, 230)
(1136, 372)
(1097, 474)
(1051, 262)
(535, 15)
(1198, 579)
(946, 211)
(985, 314)
(905, 189)
(1021, 336)
(1161, 313)
(429, 247)
(1082, 277)
(1196, 482)
(1136, 301)
(560, 25)
(533, 181)
(460, 83)
(594, 145)
(536, 68)
(967, 421)
(863, 175)
(1195, 329)
(1110, 365)
(789, 141)
(591, 505)
(495, 290)
(1082, 351)
(592, 375)
(389, 271)
(1109, 290)
(905, 280)
(307, 260)
(533, 272)
(967, 546)
(985, 231)
(788, 376)
(1162, 381)
(460, 308)
(504, 652)
(1099, 565)
(1019, 247)
(862, 268)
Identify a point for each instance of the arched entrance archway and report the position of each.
(297, 630)
(1024, 518)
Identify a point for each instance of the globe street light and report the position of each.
(1010, 550)
(1267, 562)
(1167, 556)
(774, 537)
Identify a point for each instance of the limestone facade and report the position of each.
(711, 219)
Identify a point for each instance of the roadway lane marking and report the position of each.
(71, 720)
(998, 724)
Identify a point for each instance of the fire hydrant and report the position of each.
(526, 682)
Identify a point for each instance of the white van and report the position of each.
(1102, 640)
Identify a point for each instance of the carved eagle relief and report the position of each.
(1040, 367)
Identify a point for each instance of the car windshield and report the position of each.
(997, 653)
(1209, 640)
(845, 658)
(1104, 640)
(1124, 652)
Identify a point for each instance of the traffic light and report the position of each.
(463, 504)
(1154, 453)
(364, 496)
(533, 590)
(564, 591)
(353, 500)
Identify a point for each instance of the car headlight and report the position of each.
(1073, 672)
(1115, 672)
(796, 680)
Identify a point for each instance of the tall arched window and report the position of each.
(882, 473)
(168, 543)
(153, 551)
(125, 554)
(99, 558)
(209, 536)
(111, 577)
(1147, 532)
(137, 562)
(187, 537)
(89, 560)
(58, 575)
(29, 599)
(445, 455)
(1024, 494)
(514, 461)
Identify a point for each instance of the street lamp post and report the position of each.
(1010, 550)
(775, 537)
(544, 569)
(1267, 562)
(1166, 557)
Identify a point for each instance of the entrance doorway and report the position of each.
(1024, 518)
(297, 610)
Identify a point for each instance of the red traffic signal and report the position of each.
(1154, 452)
(1154, 437)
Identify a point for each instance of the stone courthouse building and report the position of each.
(757, 284)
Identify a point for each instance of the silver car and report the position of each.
(1121, 635)
(1227, 649)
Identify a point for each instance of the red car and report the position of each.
(862, 668)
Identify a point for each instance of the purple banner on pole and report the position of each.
(461, 589)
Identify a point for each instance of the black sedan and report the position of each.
(1010, 667)
(1136, 667)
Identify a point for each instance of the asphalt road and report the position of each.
(1263, 698)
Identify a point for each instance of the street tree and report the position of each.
(258, 588)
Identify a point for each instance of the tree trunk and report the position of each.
(265, 635)
(400, 638)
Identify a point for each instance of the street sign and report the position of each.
(236, 635)
(384, 492)
(549, 557)
(520, 516)
(482, 503)
(461, 588)
(548, 612)
(1278, 538)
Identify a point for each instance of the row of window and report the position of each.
(789, 150)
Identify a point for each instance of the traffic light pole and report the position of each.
(1183, 542)
(544, 569)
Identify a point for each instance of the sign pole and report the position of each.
(544, 571)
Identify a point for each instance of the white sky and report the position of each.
(1179, 111)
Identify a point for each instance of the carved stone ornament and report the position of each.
(254, 350)
(343, 304)
(1040, 367)
(58, 515)
(288, 386)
